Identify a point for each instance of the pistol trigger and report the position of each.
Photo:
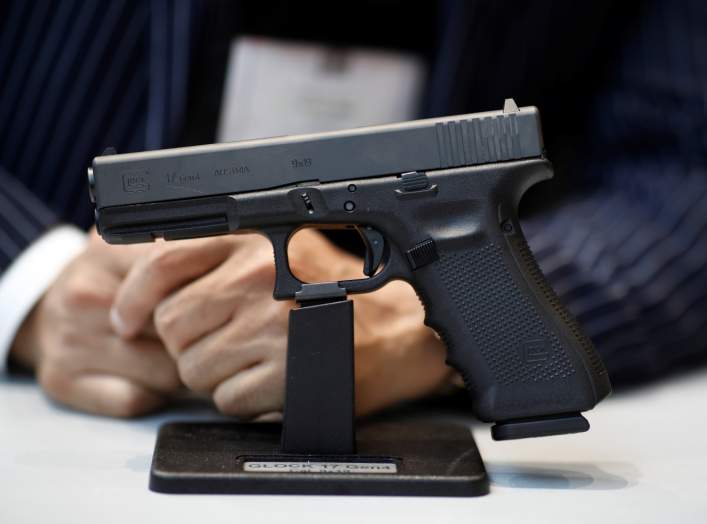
(375, 244)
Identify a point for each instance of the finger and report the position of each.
(207, 303)
(217, 357)
(90, 290)
(273, 416)
(252, 392)
(154, 276)
(117, 258)
(142, 360)
(96, 316)
(145, 361)
(198, 309)
(103, 394)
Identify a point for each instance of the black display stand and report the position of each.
(317, 449)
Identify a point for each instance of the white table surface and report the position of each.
(644, 460)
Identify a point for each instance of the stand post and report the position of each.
(319, 387)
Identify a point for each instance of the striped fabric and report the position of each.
(632, 266)
(630, 259)
(77, 76)
(628, 253)
(23, 217)
(624, 102)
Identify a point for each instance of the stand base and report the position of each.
(393, 459)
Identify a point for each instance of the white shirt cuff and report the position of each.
(24, 282)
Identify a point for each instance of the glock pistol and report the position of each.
(435, 202)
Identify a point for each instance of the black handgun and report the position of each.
(435, 202)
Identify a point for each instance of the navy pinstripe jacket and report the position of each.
(626, 250)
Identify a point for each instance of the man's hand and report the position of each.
(213, 307)
(79, 359)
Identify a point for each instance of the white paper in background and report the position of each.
(280, 88)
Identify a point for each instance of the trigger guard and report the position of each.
(394, 267)
(287, 285)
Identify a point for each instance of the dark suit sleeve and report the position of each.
(631, 264)
(621, 87)
(23, 218)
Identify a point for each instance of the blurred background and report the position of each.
(621, 232)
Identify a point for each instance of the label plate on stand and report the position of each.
(282, 466)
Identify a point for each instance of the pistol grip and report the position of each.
(523, 357)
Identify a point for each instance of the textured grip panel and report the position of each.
(533, 271)
(501, 320)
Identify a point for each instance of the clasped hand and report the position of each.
(124, 328)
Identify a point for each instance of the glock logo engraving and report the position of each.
(534, 350)
(135, 182)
